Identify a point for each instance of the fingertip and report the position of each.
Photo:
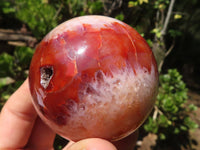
(92, 144)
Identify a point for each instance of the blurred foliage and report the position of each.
(38, 15)
(146, 16)
(84, 7)
(171, 117)
(6, 65)
(14, 69)
(15, 65)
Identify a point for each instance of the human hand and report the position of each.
(21, 128)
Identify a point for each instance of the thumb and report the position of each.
(91, 144)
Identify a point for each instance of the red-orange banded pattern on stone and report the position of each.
(91, 74)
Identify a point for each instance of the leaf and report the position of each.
(8, 10)
(94, 7)
(163, 121)
(192, 107)
(142, 1)
(174, 33)
(157, 32)
(132, 4)
(176, 131)
(120, 17)
(23, 56)
(190, 123)
(162, 136)
(161, 6)
(150, 42)
(151, 126)
(177, 16)
(5, 96)
(184, 128)
(45, 1)
(39, 16)
(6, 65)
(5, 81)
(6, 7)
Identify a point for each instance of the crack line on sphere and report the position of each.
(129, 36)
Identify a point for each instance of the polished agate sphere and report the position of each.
(93, 76)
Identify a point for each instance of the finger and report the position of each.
(128, 143)
(91, 144)
(42, 136)
(17, 119)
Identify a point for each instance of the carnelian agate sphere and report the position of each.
(93, 76)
